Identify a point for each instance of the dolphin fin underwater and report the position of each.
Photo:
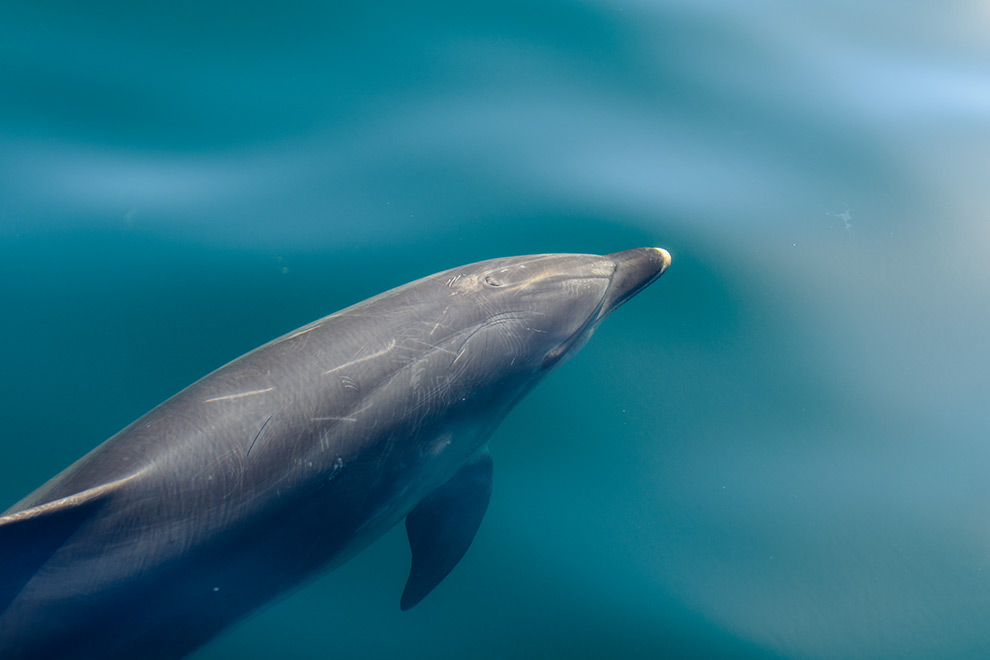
(289, 460)
(442, 526)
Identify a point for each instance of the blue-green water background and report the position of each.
(779, 450)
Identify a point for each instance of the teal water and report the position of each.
(778, 451)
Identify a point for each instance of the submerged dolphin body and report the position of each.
(294, 457)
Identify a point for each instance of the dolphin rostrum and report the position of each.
(294, 457)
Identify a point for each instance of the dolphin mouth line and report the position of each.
(609, 302)
(580, 336)
(635, 270)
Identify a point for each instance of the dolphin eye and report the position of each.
(492, 281)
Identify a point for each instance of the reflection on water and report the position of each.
(779, 451)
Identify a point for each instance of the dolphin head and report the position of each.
(528, 314)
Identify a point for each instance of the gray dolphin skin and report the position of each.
(292, 458)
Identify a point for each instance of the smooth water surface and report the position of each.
(780, 450)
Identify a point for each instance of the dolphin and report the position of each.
(294, 457)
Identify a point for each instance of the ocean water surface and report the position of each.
(780, 450)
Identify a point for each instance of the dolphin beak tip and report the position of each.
(634, 270)
(664, 257)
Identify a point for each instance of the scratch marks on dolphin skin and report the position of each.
(302, 332)
(439, 322)
(433, 346)
(359, 360)
(349, 418)
(239, 395)
(258, 435)
(497, 319)
(435, 326)
(306, 329)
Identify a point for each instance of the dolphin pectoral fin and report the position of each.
(29, 537)
(442, 526)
